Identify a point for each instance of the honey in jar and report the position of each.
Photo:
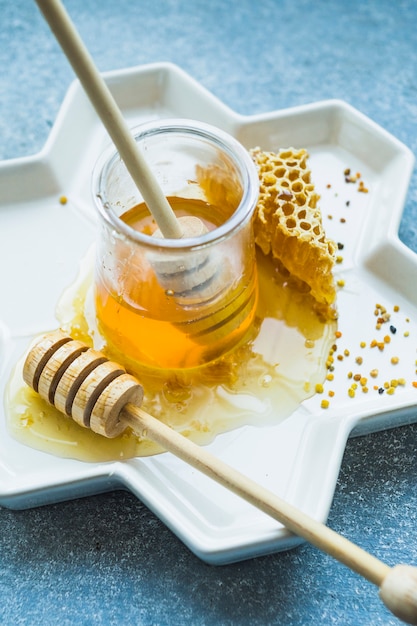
(178, 303)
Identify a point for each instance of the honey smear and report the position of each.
(278, 363)
(262, 381)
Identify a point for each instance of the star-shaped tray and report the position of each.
(42, 243)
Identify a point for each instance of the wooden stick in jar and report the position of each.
(112, 118)
(169, 225)
(99, 394)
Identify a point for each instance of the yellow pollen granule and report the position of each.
(325, 404)
(63, 199)
(373, 373)
(319, 388)
(395, 360)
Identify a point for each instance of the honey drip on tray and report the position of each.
(262, 381)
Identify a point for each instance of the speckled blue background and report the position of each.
(106, 559)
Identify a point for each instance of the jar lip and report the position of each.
(235, 150)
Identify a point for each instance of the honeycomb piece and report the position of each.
(288, 221)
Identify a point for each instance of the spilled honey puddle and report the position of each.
(260, 382)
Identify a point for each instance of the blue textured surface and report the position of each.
(107, 559)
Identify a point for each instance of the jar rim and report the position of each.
(227, 143)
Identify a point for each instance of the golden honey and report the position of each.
(142, 317)
(261, 381)
(247, 352)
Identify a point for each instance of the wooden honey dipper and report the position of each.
(99, 394)
(169, 225)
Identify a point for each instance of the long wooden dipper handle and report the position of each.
(111, 116)
(100, 395)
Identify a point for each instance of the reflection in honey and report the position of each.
(262, 381)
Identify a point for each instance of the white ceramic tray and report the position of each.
(42, 242)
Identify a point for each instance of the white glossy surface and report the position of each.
(42, 242)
